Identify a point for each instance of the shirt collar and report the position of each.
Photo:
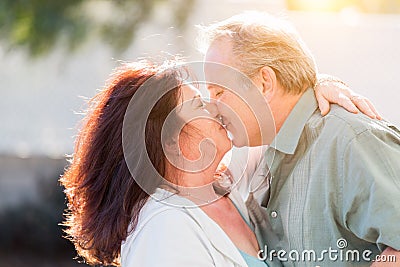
(288, 137)
(211, 229)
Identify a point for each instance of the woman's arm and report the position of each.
(331, 90)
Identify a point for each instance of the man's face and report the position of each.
(240, 106)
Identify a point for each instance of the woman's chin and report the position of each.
(226, 148)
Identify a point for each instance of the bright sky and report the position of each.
(369, 6)
(317, 4)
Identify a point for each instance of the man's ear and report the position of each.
(268, 81)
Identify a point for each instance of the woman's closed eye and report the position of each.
(198, 102)
(201, 104)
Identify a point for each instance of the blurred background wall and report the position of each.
(54, 55)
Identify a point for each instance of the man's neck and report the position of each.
(281, 106)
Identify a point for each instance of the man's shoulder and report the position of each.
(355, 123)
(342, 123)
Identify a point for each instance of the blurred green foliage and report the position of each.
(38, 25)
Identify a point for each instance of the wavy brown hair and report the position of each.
(104, 200)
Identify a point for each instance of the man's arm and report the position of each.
(371, 186)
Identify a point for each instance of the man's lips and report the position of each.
(225, 126)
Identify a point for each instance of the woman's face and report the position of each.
(200, 126)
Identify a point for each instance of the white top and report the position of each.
(175, 235)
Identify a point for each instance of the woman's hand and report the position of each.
(330, 90)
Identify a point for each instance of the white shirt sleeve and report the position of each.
(169, 239)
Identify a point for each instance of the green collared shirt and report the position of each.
(334, 190)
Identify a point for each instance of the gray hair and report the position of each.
(260, 39)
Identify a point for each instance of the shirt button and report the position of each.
(274, 214)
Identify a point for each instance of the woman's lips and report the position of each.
(225, 126)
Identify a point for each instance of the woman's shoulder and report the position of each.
(169, 231)
(157, 213)
(172, 235)
(162, 217)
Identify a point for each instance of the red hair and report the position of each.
(103, 198)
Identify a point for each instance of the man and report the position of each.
(334, 182)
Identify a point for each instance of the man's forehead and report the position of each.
(219, 51)
(222, 76)
(213, 87)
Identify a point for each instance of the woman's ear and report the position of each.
(172, 147)
(268, 81)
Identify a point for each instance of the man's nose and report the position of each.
(212, 108)
(212, 98)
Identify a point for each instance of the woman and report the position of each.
(112, 219)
